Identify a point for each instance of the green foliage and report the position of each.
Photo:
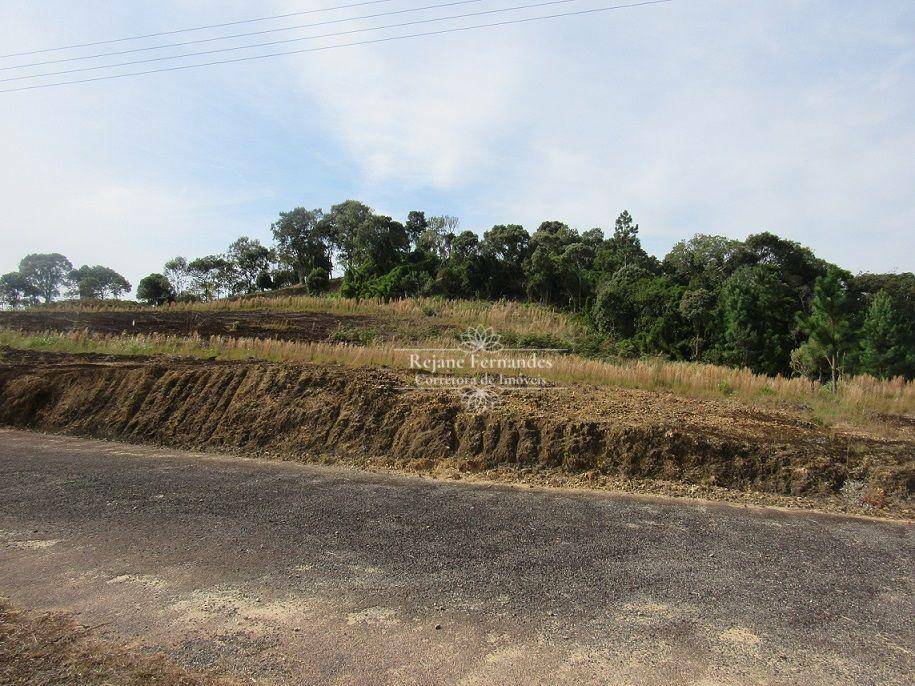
(884, 352)
(97, 283)
(264, 281)
(415, 225)
(402, 281)
(250, 259)
(155, 289)
(177, 274)
(211, 277)
(352, 334)
(696, 307)
(46, 273)
(623, 248)
(888, 340)
(758, 313)
(765, 303)
(828, 325)
(302, 241)
(17, 291)
(317, 281)
(506, 247)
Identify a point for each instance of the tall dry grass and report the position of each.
(859, 399)
(504, 315)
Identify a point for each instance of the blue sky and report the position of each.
(697, 116)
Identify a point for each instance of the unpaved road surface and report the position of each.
(286, 573)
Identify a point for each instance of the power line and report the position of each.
(195, 28)
(239, 35)
(386, 39)
(288, 40)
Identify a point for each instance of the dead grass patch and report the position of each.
(52, 649)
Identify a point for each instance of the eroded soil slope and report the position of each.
(312, 411)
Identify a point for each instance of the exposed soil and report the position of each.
(290, 326)
(329, 412)
(51, 649)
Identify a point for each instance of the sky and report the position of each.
(698, 116)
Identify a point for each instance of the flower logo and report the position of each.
(479, 398)
(481, 339)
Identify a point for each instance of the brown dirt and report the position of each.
(289, 326)
(328, 412)
(53, 649)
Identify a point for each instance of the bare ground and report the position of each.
(595, 436)
(287, 326)
(279, 573)
(53, 649)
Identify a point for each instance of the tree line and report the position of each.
(42, 277)
(765, 303)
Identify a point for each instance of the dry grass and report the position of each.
(506, 316)
(860, 400)
(52, 649)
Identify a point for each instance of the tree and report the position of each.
(438, 236)
(758, 314)
(211, 276)
(86, 286)
(265, 281)
(177, 274)
(303, 242)
(507, 246)
(901, 290)
(249, 258)
(16, 290)
(415, 225)
(697, 308)
(463, 275)
(639, 310)
(156, 289)
(883, 350)
(46, 272)
(623, 248)
(544, 269)
(702, 261)
(575, 262)
(97, 282)
(342, 226)
(317, 281)
(381, 241)
(797, 266)
(828, 326)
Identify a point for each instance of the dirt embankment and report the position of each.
(322, 412)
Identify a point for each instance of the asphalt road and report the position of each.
(286, 573)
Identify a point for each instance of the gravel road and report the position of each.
(286, 573)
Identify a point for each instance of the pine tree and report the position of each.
(883, 352)
(828, 326)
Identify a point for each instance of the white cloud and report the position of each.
(696, 116)
(416, 112)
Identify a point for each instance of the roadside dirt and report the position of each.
(52, 648)
(584, 436)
